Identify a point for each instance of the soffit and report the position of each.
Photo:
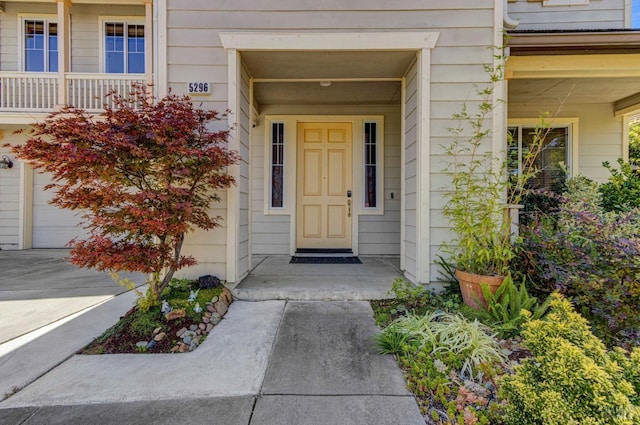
(552, 91)
(327, 65)
(573, 42)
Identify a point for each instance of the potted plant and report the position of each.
(481, 199)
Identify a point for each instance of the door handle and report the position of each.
(349, 205)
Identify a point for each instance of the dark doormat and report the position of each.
(325, 260)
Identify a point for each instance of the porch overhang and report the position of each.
(353, 63)
(528, 43)
(583, 66)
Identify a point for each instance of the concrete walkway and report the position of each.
(272, 362)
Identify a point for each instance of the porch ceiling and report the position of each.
(551, 91)
(327, 65)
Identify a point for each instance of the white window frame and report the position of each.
(269, 173)
(126, 20)
(47, 18)
(571, 124)
(379, 208)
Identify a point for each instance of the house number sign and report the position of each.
(199, 87)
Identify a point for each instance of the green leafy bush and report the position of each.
(590, 255)
(450, 364)
(622, 191)
(511, 306)
(144, 322)
(571, 379)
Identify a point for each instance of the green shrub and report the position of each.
(592, 256)
(511, 306)
(450, 363)
(571, 379)
(145, 322)
(622, 191)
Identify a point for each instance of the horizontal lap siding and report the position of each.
(85, 42)
(465, 28)
(410, 174)
(9, 193)
(244, 126)
(598, 14)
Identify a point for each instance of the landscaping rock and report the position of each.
(188, 337)
(160, 336)
(202, 326)
(215, 318)
(205, 320)
(214, 300)
(181, 332)
(151, 344)
(210, 308)
(193, 327)
(209, 328)
(198, 332)
(183, 348)
(175, 314)
(226, 296)
(193, 346)
(221, 307)
(157, 330)
(141, 344)
(175, 349)
(207, 314)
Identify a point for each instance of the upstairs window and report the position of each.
(123, 48)
(40, 45)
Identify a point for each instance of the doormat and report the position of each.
(325, 260)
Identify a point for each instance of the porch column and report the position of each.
(64, 39)
(148, 42)
(233, 193)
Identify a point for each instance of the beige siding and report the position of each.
(85, 43)
(410, 171)
(378, 234)
(9, 194)
(244, 127)
(465, 30)
(599, 134)
(598, 14)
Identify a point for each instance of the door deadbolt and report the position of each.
(348, 194)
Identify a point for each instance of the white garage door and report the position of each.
(52, 227)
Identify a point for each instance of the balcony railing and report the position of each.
(28, 91)
(39, 92)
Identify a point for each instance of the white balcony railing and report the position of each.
(20, 91)
(39, 92)
(88, 91)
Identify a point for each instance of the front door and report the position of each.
(324, 202)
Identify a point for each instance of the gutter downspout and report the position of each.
(509, 23)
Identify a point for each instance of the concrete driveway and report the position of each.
(38, 287)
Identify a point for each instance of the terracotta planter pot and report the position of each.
(471, 289)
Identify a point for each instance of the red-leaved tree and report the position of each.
(143, 173)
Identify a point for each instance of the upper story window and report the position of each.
(40, 45)
(124, 47)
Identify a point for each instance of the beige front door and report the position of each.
(324, 178)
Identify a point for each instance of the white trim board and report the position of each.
(329, 41)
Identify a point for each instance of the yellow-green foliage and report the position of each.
(571, 379)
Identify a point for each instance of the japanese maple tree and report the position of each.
(143, 174)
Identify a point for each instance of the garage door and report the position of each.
(52, 227)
